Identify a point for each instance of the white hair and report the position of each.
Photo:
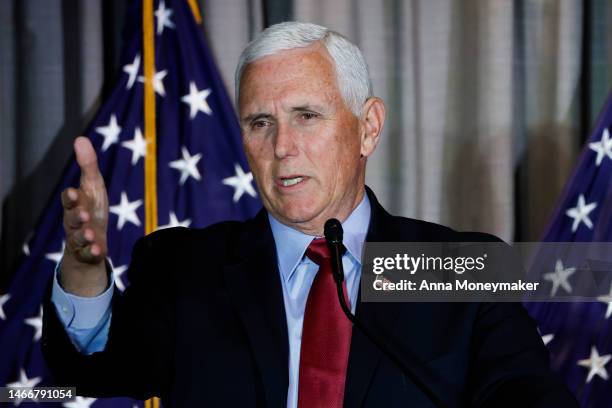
(351, 69)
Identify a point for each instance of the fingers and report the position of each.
(88, 162)
(70, 197)
(85, 234)
(76, 217)
(86, 209)
(77, 207)
(86, 245)
(83, 237)
(95, 251)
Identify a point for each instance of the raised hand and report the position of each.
(83, 270)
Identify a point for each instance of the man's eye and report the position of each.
(260, 124)
(309, 115)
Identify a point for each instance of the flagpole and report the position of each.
(150, 125)
(193, 4)
(148, 31)
(150, 159)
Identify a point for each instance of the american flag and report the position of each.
(579, 335)
(202, 176)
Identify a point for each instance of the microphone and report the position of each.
(333, 236)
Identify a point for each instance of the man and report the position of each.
(245, 314)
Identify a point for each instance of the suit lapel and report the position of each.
(255, 288)
(254, 285)
(378, 317)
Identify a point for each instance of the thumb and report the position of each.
(88, 162)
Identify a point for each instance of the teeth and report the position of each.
(291, 181)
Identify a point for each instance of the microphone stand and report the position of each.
(333, 236)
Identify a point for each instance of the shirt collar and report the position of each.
(291, 244)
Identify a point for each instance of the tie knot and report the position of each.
(318, 251)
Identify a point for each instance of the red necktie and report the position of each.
(326, 337)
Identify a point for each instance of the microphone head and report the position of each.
(333, 231)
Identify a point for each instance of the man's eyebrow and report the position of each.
(307, 107)
(254, 116)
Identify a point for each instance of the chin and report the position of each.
(297, 214)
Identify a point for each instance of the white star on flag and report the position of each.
(605, 298)
(580, 213)
(138, 146)
(126, 211)
(3, 299)
(241, 183)
(132, 71)
(547, 338)
(36, 323)
(57, 256)
(110, 132)
(24, 382)
(163, 17)
(187, 165)
(174, 222)
(196, 100)
(603, 148)
(596, 364)
(559, 278)
(79, 402)
(158, 84)
(117, 274)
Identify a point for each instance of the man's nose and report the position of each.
(284, 142)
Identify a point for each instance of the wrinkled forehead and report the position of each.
(299, 70)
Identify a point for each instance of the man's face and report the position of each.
(301, 140)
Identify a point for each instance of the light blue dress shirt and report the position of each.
(87, 320)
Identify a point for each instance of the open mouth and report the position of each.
(290, 181)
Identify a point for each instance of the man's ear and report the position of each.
(373, 119)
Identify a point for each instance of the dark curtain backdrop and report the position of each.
(489, 101)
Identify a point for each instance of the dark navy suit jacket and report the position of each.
(203, 325)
